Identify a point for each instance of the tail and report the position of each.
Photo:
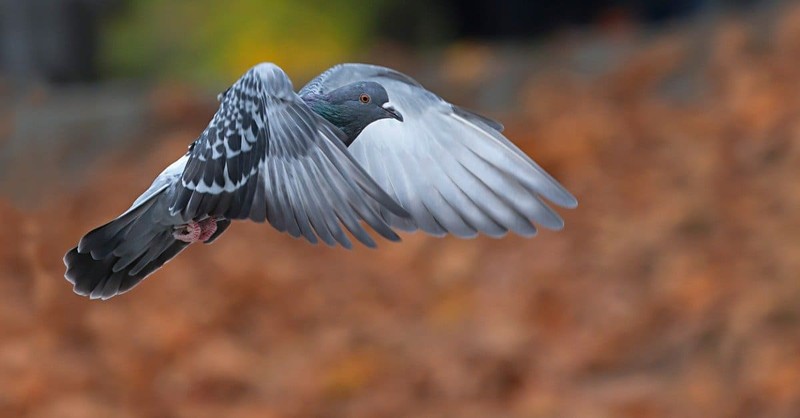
(115, 257)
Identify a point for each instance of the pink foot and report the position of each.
(196, 231)
(188, 233)
(208, 227)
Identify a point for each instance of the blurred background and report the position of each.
(672, 292)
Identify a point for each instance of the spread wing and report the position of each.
(451, 169)
(266, 155)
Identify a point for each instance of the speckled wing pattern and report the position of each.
(451, 169)
(266, 156)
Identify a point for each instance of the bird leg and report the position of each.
(208, 227)
(194, 231)
(188, 233)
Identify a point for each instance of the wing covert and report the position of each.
(266, 156)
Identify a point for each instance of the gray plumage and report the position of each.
(360, 144)
(451, 169)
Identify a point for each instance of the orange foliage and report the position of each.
(673, 290)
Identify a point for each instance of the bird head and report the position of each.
(367, 99)
(354, 106)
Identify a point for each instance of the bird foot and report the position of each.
(188, 233)
(208, 227)
(196, 231)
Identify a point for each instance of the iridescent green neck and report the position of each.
(339, 116)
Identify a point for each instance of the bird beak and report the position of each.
(393, 112)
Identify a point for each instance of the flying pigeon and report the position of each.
(360, 144)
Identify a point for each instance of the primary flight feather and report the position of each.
(359, 144)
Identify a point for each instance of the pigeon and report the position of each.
(360, 145)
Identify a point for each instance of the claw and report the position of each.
(208, 227)
(188, 233)
(196, 231)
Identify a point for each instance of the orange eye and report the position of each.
(364, 98)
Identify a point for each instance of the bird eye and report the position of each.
(364, 98)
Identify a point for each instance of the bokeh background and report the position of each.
(672, 292)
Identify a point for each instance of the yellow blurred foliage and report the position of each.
(209, 41)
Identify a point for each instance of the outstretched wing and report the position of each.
(266, 155)
(451, 169)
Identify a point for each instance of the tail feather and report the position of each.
(96, 278)
(115, 257)
(153, 252)
(137, 247)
